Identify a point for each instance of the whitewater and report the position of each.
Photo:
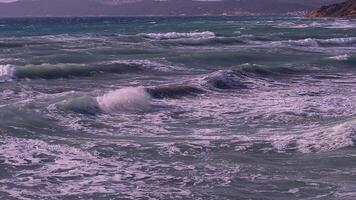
(210, 108)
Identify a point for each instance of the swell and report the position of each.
(313, 42)
(174, 91)
(136, 99)
(348, 59)
(204, 41)
(216, 81)
(230, 58)
(139, 98)
(53, 71)
(209, 38)
(254, 70)
(10, 45)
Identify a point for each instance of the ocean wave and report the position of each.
(130, 99)
(50, 71)
(338, 24)
(129, 65)
(6, 72)
(83, 105)
(254, 69)
(307, 42)
(126, 99)
(331, 138)
(135, 99)
(223, 79)
(341, 24)
(312, 42)
(66, 70)
(177, 35)
(337, 41)
(340, 57)
(10, 45)
(204, 41)
(219, 80)
(174, 91)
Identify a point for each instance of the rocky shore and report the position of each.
(345, 9)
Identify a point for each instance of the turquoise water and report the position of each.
(207, 108)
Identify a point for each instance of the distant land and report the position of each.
(71, 8)
(345, 9)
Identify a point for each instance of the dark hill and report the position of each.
(345, 9)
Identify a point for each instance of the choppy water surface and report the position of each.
(178, 108)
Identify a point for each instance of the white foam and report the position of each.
(329, 139)
(6, 71)
(347, 40)
(338, 24)
(340, 57)
(146, 64)
(126, 99)
(342, 24)
(176, 35)
(305, 42)
(309, 42)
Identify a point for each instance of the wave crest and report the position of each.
(340, 57)
(6, 71)
(176, 35)
(66, 70)
(83, 105)
(331, 138)
(51, 71)
(126, 99)
(173, 91)
(224, 79)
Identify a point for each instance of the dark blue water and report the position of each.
(207, 108)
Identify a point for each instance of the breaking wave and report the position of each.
(313, 42)
(176, 35)
(338, 24)
(329, 139)
(221, 80)
(6, 72)
(135, 99)
(130, 99)
(204, 41)
(83, 105)
(126, 99)
(340, 57)
(53, 71)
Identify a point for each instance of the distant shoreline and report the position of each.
(150, 16)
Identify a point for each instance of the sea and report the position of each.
(178, 108)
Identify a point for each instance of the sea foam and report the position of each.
(126, 99)
(130, 99)
(328, 139)
(176, 35)
(340, 57)
(6, 71)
